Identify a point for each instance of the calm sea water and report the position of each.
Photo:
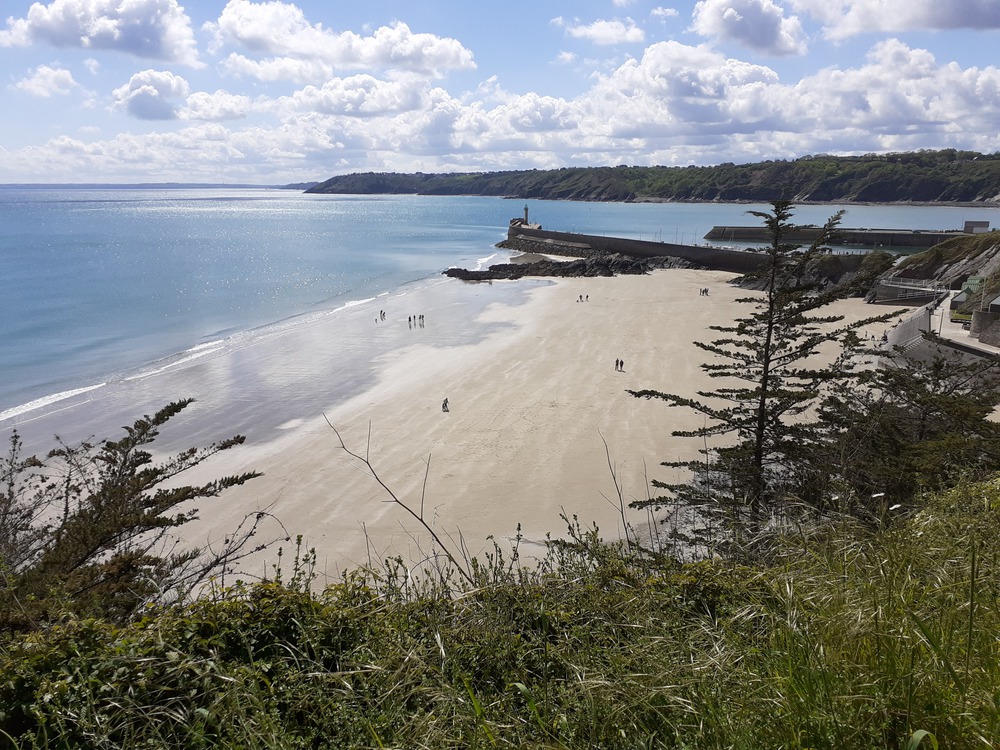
(107, 292)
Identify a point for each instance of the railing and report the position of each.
(910, 329)
(926, 284)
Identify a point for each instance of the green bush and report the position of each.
(847, 638)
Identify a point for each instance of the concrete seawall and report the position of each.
(866, 237)
(714, 258)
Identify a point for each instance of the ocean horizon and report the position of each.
(262, 302)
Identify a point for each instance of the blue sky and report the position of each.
(277, 92)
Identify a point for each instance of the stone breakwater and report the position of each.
(524, 244)
(888, 238)
(610, 256)
(596, 264)
(572, 243)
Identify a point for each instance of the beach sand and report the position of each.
(535, 411)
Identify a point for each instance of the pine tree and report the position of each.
(88, 529)
(767, 386)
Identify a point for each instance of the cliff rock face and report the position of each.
(827, 271)
(944, 266)
(951, 263)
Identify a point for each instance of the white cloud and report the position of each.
(150, 95)
(757, 24)
(566, 58)
(844, 18)
(281, 30)
(899, 92)
(157, 29)
(192, 152)
(534, 114)
(674, 90)
(664, 13)
(360, 96)
(214, 107)
(278, 68)
(46, 81)
(675, 104)
(605, 32)
(92, 65)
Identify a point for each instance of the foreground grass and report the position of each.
(845, 639)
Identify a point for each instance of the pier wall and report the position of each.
(867, 237)
(717, 259)
(985, 327)
(714, 258)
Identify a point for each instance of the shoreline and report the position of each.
(256, 382)
(539, 421)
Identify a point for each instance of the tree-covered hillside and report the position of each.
(924, 176)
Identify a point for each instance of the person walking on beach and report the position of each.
(444, 405)
(617, 364)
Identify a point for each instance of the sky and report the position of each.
(280, 92)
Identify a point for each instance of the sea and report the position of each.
(263, 303)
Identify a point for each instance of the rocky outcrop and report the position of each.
(946, 266)
(951, 263)
(827, 271)
(599, 264)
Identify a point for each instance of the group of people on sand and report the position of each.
(412, 320)
(581, 298)
(703, 291)
(619, 365)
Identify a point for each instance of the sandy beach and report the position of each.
(534, 411)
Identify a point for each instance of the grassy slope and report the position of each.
(848, 639)
(952, 262)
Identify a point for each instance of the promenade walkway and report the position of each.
(938, 321)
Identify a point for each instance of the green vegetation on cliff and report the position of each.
(846, 638)
(924, 176)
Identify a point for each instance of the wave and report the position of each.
(355, 303)
(39, 403)
(483, 263)
(195, 352)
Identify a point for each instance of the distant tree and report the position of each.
(87, 530)
(768, 385)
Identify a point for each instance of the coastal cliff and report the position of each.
(927, 176)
